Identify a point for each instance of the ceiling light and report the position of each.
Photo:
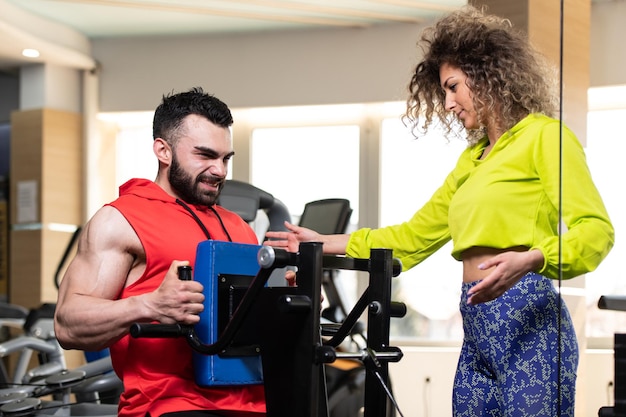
(30, 53)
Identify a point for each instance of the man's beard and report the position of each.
(187, 188)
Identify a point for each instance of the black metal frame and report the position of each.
(618, 303)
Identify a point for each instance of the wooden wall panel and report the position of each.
(541, 19)
(61, 167)
(544, 31)
(25, 268)
(46, 147)
(26, 154)
(515, 11)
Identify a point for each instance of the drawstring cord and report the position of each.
(199, 222)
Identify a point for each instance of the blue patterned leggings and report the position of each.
(509, 359)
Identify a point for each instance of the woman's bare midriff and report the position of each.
(476, 255)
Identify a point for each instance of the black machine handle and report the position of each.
(357, 264)
(184, 273)
(158, 330)
(612, 302)
(270, 258)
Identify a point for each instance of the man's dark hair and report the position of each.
(168, 117)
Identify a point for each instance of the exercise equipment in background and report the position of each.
(618, 303)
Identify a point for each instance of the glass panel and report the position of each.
(133, 154)
(606, 147)
(411, 170)
(302, 164)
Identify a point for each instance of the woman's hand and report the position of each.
(508, 269)
(290, 240)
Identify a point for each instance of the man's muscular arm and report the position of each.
(88, 314)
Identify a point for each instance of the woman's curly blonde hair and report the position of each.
(508, 78)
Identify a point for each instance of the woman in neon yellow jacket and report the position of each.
(522, 176)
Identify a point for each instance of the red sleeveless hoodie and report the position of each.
(157, 373)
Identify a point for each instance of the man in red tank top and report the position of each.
(125, 270)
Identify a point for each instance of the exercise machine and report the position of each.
(618, 303)
(282, 325)
(52, 394)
